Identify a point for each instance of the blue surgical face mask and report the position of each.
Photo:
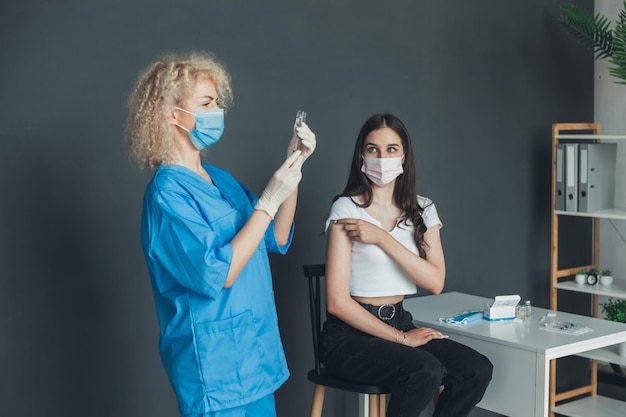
(209, 127)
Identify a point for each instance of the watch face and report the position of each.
(592, 279)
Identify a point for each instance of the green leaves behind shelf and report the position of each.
(594, 32)
(618, 56)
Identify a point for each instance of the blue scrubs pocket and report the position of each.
(231, 359)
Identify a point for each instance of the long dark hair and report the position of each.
(405, 191)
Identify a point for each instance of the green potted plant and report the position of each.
(581, 276)
(615, 310)
(594, 32)
(606, 277)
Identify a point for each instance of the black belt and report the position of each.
(384, 312)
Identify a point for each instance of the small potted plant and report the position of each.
(615, 310)
(581, 276)
(606, 277)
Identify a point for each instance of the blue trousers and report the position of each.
(414, 374)
(264, 407)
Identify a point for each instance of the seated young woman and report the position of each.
(383, 243)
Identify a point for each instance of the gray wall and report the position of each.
(478, 84)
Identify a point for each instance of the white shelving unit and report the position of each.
(609, 355)
(562, 279)
(595, 406)
(600, 214)
(617, 289)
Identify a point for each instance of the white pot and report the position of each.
(606, 279)
(581, 279)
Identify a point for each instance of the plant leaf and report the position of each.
(592, 31)
(618, 58)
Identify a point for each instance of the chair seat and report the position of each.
(324, 378)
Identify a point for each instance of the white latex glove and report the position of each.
(282, 184)
(303, 139)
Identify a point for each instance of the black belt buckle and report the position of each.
(384, 306)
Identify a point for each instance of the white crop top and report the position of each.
(372, 272)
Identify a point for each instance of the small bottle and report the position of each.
(527, 308)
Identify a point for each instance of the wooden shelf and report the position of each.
(590, 136)
(596, 406)
(617, 289)
(613, 213)
(608, 354)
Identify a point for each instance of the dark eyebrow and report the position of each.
(385, 146)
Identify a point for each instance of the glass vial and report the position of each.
(527, 308)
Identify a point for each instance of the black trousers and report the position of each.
(414, 374)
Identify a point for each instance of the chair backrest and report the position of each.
(314, 274)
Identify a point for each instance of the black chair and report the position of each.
(319, 376)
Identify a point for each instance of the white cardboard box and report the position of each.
(503, 307)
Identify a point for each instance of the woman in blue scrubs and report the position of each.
(206, 237)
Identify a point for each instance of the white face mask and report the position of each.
(381, 171)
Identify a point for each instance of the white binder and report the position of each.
(596, 176)
(571, 177)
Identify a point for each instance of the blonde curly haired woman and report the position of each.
(205, 238)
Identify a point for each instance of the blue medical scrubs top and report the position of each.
(220, 346)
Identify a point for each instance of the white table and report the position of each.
(520, 352)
